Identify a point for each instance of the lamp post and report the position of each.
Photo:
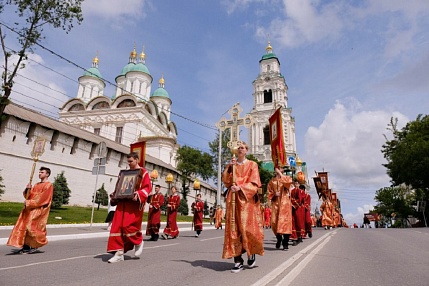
(169, 179)
(153, 177)
(197, 187)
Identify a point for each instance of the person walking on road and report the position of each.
(154, 216)
(198, 207)
(29, 232)
(243, 227)
(172, 229)
(126, 230)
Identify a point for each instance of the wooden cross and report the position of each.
(234, 124)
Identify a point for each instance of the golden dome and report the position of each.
(269, 49)
(142, 54)
(161, 80)
(95, 60)
(133, 54)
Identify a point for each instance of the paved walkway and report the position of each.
(79, 231)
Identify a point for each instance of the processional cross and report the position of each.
(233, 144)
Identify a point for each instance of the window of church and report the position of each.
(268, 68)
(101, 105)
(127, 103)
(97, 131)
(77, 107)
(268, 96)
(118, 137)
(266, 131)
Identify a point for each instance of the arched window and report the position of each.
(127, 103)
(101, 105)
(266, 132)
(268, 96)
(77, 107)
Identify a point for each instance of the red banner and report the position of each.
(278, 153)
(140, 149)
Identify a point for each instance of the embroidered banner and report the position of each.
(278, 153)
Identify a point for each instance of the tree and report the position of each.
(164, 206)
(206, 208)
(192, 162)
(2, 187)
(31, 17)
(183, 207)
(225, 151)
(396, 200)
(407, 154)
(61, 191)
(101, 197)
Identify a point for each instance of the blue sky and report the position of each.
(349, 65)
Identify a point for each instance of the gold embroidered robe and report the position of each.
(281, 206)
(30, 228)
(246, 233)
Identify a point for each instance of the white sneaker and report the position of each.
(119, 256)
(196, 235)
(138, 249)
(237, 267)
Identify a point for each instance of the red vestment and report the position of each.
(267, 216)
(154, 216)
(298, 213)
(245, 232)
(30, 228)
(171, 229)
(198, 215)
(307, 207)
(126, 229)
(281, 206)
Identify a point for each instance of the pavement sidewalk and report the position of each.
(58, 232)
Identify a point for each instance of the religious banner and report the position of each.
(318, 185)
(324, 179)
(334, 199)
(278, 153)
(140, 149)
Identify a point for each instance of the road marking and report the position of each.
(211, 238)
(265, 280)
(73, 258)
(287, 280)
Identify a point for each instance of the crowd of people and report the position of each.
(287, 213)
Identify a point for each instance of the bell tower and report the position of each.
(270, 93)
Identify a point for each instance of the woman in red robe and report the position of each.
(154, 216)
(172, 206)
(198, 207)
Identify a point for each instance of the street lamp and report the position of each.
(197, 187)
(153, 177)
(169, 179)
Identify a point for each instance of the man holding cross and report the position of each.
(243, 226)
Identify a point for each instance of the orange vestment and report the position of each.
(281, 206)
(327, 213)
(30, 228)
(245, 234)
(218, 217)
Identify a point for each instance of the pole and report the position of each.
(219, 169)
(33, 169)
(95, 192)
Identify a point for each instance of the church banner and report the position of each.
(140, 149)
(278, 153)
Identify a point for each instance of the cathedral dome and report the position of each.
(140, 67)
(94, 72)
(161, 92)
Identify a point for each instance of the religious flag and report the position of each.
(278, 153)
(334, 199)
(140, 149)
(318, 185)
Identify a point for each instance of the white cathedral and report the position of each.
(132, 114)
(270, 93)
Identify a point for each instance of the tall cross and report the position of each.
(234, 124)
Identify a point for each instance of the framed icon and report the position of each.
(128, 182)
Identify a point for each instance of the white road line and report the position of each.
(211, 238)
(265, 280)
(287, 280)
(73, 258)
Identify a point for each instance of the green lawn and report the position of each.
(9, 213)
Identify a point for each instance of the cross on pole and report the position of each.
(234, 124)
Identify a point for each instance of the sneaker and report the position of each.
(164, 236)
(138, 249)
(310, 234)
(237, 267)
(251, 261)
(119, 256)
(32, 250)
(108, 228)
(196, 235)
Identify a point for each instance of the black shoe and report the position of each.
(310, 234)
(237, 267)
(32, 250)
(300, 240)
(279, 240)
(285, 248)
(251, 261)
(295, 243)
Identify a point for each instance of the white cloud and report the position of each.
(357, 217)
(112, 8)
(233, 5)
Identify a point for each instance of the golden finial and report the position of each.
(95, 60)
(133, 54)
(161, 80)
(269, 49)
(142, 54)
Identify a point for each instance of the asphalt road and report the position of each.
(336, 257)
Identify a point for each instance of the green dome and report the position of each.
(127, 68)
(161, 92)
(140, 67)
(269, 56)
(94, 72)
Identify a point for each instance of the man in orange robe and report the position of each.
(281, 207)
(172, 206)
(298, 213)
(218, 217)
(243, 227)
(326, 209)
(126, 230)
(198, 207)
(29, 232)
(154, 216)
